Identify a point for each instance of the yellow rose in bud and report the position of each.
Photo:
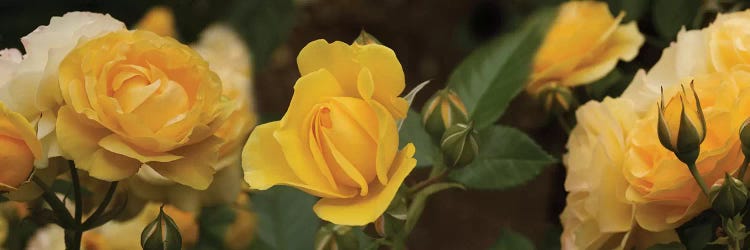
(729, 40)
(583, 44)
(158, 19)
(228, 56)
(681, 125)
(136, 99)
(20, 150)
(660, 185)
(597, 215)
(338, 140)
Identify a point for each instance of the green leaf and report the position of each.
(489, 78)
(285, 218)
(507, 158)
(669, 246)
(510, 240)
(214, 222)
(633, 9)
(413, 131)
(669, 16)
(264, 24)
(700, 231)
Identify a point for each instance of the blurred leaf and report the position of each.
(264, 24)
(489, 78)
(552, 238)
(669, 246)
(285, 218)
(669, 16)
(413, 131)
(214, 222)
(633, 9)
(698, 232)
(507, 158)
(510, 240)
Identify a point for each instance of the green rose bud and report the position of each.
(336, 237)
(365, 38)
(161, 234)
(443, 110)
(681, 126)
(728, 198)
(459, 145)
(556, 98)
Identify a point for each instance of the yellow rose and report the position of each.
(583, 44)
(134, 98)
(729, 38)
(338, 140)
(661, 186)
(597, 215)
(158, 19)
(33, 89)
(20, 150)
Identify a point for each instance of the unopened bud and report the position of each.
(365, 38)
(681, 125)
(556, 98)
(336, 237)
(443, 110)
(728, 198)
(459, 145)
(161, 234)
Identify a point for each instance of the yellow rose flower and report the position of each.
(20, 150)
(134, 98)
(338, 140)
(158, 19)
(33, 89)
(597, 215)
(729, 38)
(660, 185)
(583, 44)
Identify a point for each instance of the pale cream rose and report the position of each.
(584, 43)
(660, 185)
(729, 40)
(33, 89)
(597, 215)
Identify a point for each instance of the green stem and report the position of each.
(429, 181)
(698, 178)
(54, 203)
(563, 122)
(743, 168)
(73, 241)
(102, 206)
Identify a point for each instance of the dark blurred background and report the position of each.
(430, 37)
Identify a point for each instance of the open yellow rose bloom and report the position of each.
(338, 140)
(133, 98)
(19, 149)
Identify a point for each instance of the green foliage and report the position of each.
(700, 231)
(214, 222)
(669, 16)
(285, 219)
(489, 78)
(264, 24)
(603, 87)
(413, 131)
(507, 158)
(633, 9)
(510, 240)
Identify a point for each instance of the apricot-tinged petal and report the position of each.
(196, 167)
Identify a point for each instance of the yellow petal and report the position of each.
(20, 128)
(293, 131)
(622, 45)
(350, 172)
(365, 84)
(114, 143)
(338, 58)
(386, 70)
(196, 167)
(108, 166)
(265, 165)
(387, 141)
(78, 137)
(359, 210)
